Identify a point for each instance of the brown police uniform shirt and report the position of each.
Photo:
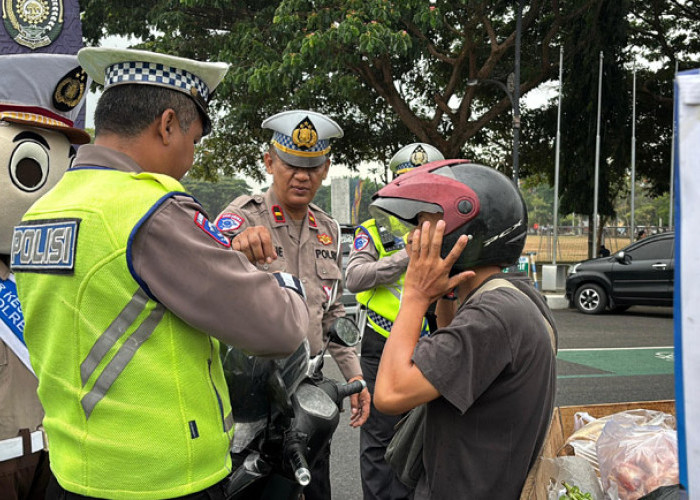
(310, 252)
(19, 404)
(366, 270)
(203, 281)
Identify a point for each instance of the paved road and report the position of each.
(602, 359)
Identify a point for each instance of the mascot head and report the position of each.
(40, 98)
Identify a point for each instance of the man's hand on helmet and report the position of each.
(427, 277)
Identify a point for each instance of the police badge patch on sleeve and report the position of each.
(361, 241)
(229, 222)
(203, 223)
(45, 246)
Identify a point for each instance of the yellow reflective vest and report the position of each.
(135, 399)
(382, 302)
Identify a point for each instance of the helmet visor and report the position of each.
(400, 216)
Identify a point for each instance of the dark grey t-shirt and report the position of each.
(495, 369)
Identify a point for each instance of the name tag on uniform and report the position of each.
(45, 246)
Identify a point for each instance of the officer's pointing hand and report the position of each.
(256, 243)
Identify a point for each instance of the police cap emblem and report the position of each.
(70, 89)
(304, 134)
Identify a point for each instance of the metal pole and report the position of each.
(516, 96)
(673, 154)
(594, 252)
(555, 227)
(634, 150)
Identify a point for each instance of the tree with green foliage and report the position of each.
(215, 196)
(390, 72)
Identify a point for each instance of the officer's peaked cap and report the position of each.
(113, 66)
(301, 137)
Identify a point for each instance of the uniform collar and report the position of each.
(91, 155)
(278, 217)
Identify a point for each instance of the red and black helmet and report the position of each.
(475, 200)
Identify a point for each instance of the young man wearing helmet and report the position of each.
(488, 377)
(375, 272)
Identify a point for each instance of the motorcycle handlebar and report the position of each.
(298, 462)
(351, 388)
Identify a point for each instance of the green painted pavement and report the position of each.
(620, 362)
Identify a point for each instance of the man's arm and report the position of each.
(346, 359)
(366, 270)
(400, 384)
(194, 273)
(255, 242)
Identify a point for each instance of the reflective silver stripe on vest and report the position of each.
(394, 290)
(228, 422)
(113, 333)
(125, 353)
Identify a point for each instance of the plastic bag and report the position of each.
(638, 453)
(574, 471)
(582, 443)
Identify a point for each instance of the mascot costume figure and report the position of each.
(40, 98)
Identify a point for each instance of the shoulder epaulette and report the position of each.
(318, 209)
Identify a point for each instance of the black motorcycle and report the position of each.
(285, 412)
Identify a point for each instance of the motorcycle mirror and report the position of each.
(343, 331)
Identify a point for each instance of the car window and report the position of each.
(653, 250)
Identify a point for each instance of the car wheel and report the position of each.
(590, 299)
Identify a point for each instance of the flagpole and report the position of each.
(634, 150)
(673, 154)
(555, 233)
(594, 252)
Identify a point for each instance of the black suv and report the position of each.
(640, 274)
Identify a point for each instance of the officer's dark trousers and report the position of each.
(378, 480)
(26, 477)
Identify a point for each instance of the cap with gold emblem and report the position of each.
(412, 156)
(301, 138)
(45, 91)
(197, 79)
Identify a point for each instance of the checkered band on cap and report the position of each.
(286, 144)
(407, 165)
(156, 74)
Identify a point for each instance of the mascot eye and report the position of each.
(29, 166)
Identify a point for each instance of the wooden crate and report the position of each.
(563, 418)
(562, 427)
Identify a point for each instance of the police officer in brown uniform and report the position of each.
(281, 230)
(40, 98)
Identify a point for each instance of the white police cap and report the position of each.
(301, 137)
(44, 90)
(412, 156)
(197, 79)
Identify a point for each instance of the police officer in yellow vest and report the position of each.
(127, 358)
(375, 271)
(40, 98)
